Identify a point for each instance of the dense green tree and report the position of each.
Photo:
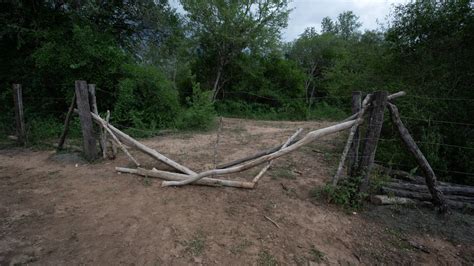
(224, 29)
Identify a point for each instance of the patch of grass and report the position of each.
(397, 239)
(315, 254)
(239, 247)
(197, 244)
(279, 172)
(266, 259)
(146, 181)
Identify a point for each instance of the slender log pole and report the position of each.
(354, 149)
(66, 123)
(145, 149)
(437, 195)
(19, 116)
(82, 98)
(104, 125)
(95, 110)
(277, 148)
(269, 164)
(179, 177)
(371, 139)
(350, 139)
(310, 137)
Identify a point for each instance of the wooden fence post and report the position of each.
(95, 110)
(84, 108)
(70, 111)
(19, 116)
(430, 177)
(371, 138)
(354, 150)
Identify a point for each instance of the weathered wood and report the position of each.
(423, 196)
(104, 137)
(62, 138)
(83, 105)
(371, 138)
(308, 138)
(117, 141)
(350, 139)
(277, 148)
(386, 200)
(95, 110)
(447, 190)
(391, 97)
(353, 155)
(127, 140)
(430, 177)
(269, 164)
(400, 176)
(179, 177)
(19, 115)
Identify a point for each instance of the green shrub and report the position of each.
(346, 193)
(323, 110)
(41, 130)
(200, 114)
(146, 100)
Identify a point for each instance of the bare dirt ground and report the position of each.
(57, 209)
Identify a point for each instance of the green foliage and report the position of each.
(146, 100)
(346, 193)
(200, 115)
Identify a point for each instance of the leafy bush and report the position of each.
(200, 114)
(346, 193)
(146, 100)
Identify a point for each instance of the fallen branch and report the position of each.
(310, 137)
(269, 164)
(179, 177)
(386, 200)
(447, 190)
(145, 149)
(273, 222)
(423, 196)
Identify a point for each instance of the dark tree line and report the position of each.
(156, 68)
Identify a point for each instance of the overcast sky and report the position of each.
(309, 13)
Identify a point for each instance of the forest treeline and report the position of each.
(156, 68)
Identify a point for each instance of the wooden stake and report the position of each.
(104, 136)
(117, 141)
(66, 123)
(19, 115)
(350, 139)
(269, 164)
(372, 137)
(354, 149)
(437, 195)
(84, 110)
(95, 110)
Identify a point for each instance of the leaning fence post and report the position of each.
(19, 117)
(353, 156)
(83, 106)
(95, 110)
(371, 138)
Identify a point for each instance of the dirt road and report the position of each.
(57, 209)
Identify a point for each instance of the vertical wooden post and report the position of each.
(95, 110)
(371, 138)
(66, 123)
(84, 108)
(19, 116)
(430, 177)
(354, 150)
